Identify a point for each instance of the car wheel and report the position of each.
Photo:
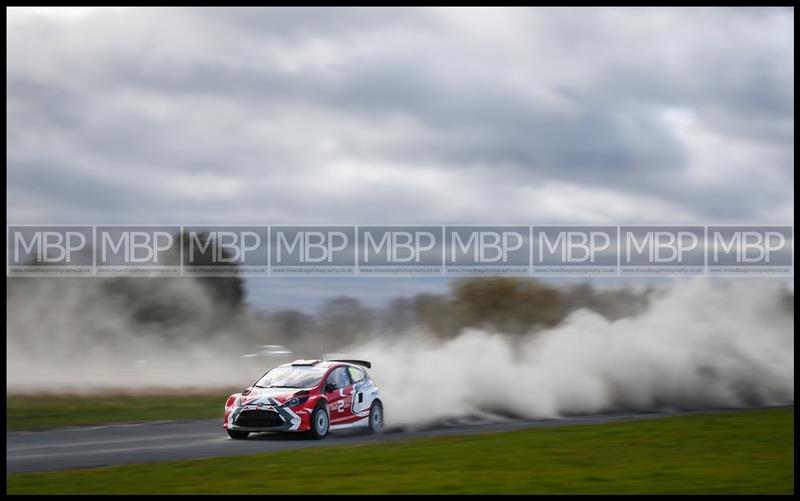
(375, 417)
(237, 434)
(320, 423)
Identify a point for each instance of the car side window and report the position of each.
(339, 378)
(357, 375)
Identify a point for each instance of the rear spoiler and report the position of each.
(355, 362)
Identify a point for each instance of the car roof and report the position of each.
(325, 364)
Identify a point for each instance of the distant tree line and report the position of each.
(512, 306)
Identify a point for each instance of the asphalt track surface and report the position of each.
(114, 444)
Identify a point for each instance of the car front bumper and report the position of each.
(263, 416)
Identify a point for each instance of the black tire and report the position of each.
(320, 422)
(237, 434)
(376, 417)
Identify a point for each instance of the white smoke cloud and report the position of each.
(700, 345)
(75, 337)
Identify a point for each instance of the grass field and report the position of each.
(737, 452)
(30, 412)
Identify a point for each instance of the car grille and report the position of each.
(258, 419)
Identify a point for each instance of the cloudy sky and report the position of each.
(399, 116)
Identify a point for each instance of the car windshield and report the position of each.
(291, 377)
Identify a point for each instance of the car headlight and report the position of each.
(294, 401)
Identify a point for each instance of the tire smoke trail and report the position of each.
(702, 344)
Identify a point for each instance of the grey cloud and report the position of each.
(577, 99)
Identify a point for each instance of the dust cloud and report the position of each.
(699, 344)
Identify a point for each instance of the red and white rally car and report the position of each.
(312, 396)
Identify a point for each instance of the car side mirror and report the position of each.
(329, 387)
